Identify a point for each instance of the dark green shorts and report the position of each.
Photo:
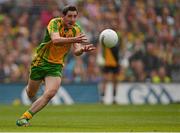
(44, 69)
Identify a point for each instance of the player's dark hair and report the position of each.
(69, 8)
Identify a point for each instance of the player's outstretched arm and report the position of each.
(56, 39)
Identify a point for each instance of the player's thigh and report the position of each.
(33, 86)
(53, 77)
(52, 84)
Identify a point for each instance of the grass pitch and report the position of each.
(95, 118)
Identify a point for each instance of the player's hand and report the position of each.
(88, 48)
(81, 39)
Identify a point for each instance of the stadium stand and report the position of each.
(149, 32)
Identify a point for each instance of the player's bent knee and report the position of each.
(50, 94)
(30, 94)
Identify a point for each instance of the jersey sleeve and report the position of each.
(53, 26)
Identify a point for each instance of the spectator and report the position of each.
(174, 68)
(151, 61)
(93, 71)
(161, 76)
(138, 72)
(79, 74)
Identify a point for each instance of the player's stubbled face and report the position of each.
(70, 19)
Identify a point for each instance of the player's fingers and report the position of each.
(89, 48)
(82, 40)
(89, 45)
(85, 41)
(92, 48)
(82, 36)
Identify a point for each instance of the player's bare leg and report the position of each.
(32, 88)
(107, 78)
(115, 83)
(51, 87)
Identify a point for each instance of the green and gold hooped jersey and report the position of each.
(55, 53)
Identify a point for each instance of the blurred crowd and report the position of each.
(149, 33)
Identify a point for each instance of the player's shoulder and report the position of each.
(56, 20)
(77, 27)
